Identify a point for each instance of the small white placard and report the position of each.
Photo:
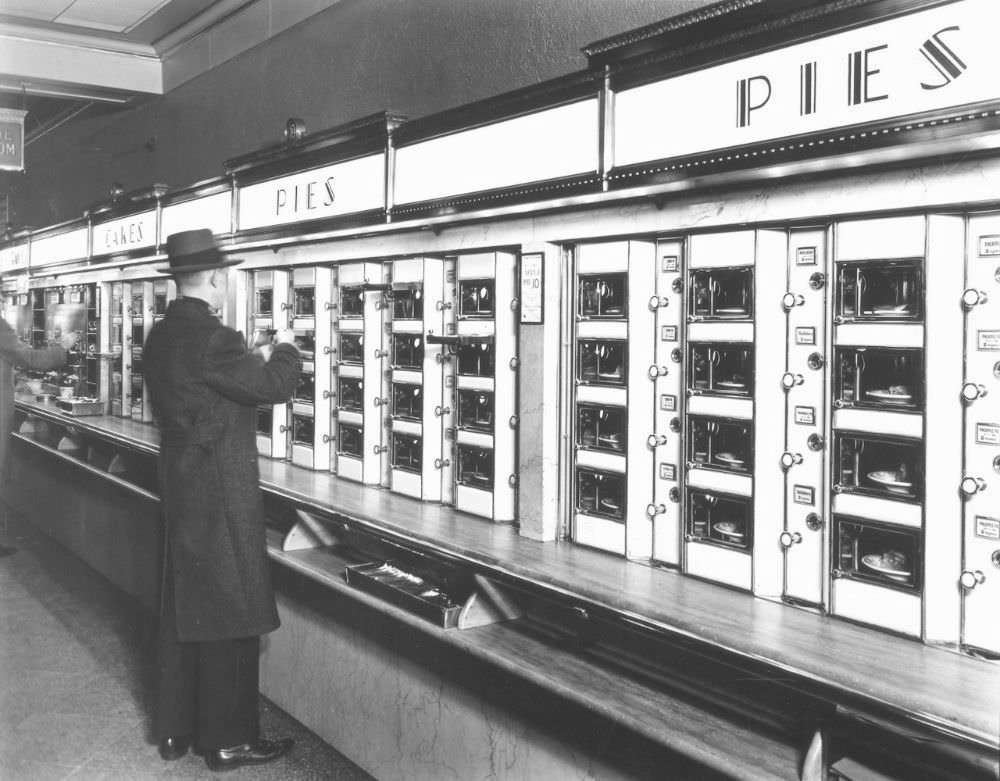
(988, 341)
(805, 256)
(532, 288)
(805, 335)
(803, 494)
(987, 528)
(805, 416)
(989, 246)
(988, 433)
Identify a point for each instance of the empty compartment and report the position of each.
(350, 441)
(304, 301)
(879, 290)
(476, 360)
(602, 296)
(352, 348)
(407, 351)
(720, 519)
(350, 393)
(406, 452)
(475, 298)
(601, 494)
(475, 466)
(407, 401)
(408, 303)
(725, 369)
(601, 427)
(879, 377)
(721, 293)
(265, 418)
(891, 468)
(305, 387)
(263, 294)
(720, 444)
(303, 430)
(876, 553)
(601, 362)
(475, 410)
(352, 301)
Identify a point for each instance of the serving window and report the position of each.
(880, 290)
(408, 303)
(600, 427)
(476, 360)
(601, 362)
(720, 519)
(303, 429)
(476, 298)
(407, 452)
(304, 301)
(305, 387)
(352, 301)
(407, 351)
(475, 410)
(350, 393)
(352, 348)
(601, 494)
(720, 444)
(877, 553)
(602, 296)
(350, 441)
(475, 466)
(407, 401)
(724, 369)
(721, 293)
(878, 377)
(878, 466)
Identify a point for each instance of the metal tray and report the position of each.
(414, 594)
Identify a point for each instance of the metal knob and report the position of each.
(674, 494)
(284, 429)
(441, 463)
(791, 300)
(972, 297)
(677, 285)
(327, 439)
(676, 355)
(817, 280)
(815, 442)
(790, 380)
(657, 371)
(329, 306)
(788, 460)
(329, 394)
(442, 357)
(380, 449)
(442, 411)
(514, 363)
(655, 440)
(379, 401)
(653, 509)
(442, 305)
(971, 391)
(675, 425)
(513, 421)
(656, 302)
(329, 350)
(813, 522)
(788, 539)
(815, 361)
(969, 579)
(970, 486)
(381, 353)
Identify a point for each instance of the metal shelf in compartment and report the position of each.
(877, 553)
(879, 291)
(475, 410)
(719, 368)
(878, 466)
(601, 494)
(476, 299)
(602, 427)
(720, 519)
(602, 296)
(602, 362)
(406, 452)
(721, 444)
(721, 294)
(475, 466)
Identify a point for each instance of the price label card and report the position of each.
(987, 528)
(989, 246)
(668, 403)
(668, 333)
(668, 471)
(805, 416)
(805, 336)
(988, 341)
(669, 263)
(805, 256)
(803, 494)
(988, 433)
(532, 288)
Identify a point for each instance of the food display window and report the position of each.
(303, 429)
(476, 298)
(352, 347)
(407, 351)
(877, 377)
(601, 494)
(304, 301)
(265, 418)
(877, 553)
(720, 444)
(305, 387)
(350, 440)
(407, 401)
(305, 341)
(878, 466)
(602, 362)
(475, 410)
(726, 369)
(408, 303)
(602, 296)
(720, 519)
(263, 297)
(879, 290)
(475, 466)
(600, 427)
(161, 297)
(477, 359)
(350, 394)
(721, 293)
(407, 452)
(352, 301)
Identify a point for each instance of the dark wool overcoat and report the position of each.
(14, 352)
(204, 387)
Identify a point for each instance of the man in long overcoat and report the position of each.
(15, 352)
(204, 387)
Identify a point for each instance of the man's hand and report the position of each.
(284, 336)
(69, 339)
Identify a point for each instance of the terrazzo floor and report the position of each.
(74, 662)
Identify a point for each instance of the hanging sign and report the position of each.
(929, 60)
(12, 139)
(332, 191)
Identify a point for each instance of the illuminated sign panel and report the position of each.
(926, 61)
(129, 233)
(332, 191)
(549, 144)
(71, 245)
(13, 258)
(213, 212)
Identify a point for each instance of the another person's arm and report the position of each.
(21, 354)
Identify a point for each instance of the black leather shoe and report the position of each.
(256, 753)
(174, 748)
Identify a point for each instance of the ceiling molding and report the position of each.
(202, 23)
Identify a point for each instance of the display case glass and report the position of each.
(880, 290)
(721, 293)
(601, 362)
(408, 303)
(352, 301)
(475, 466)
(407, 452)
(305, 387)
(720, 444)
(265, 418)
(879, 377)
(350, 393)
(475, 410)
(476, 360)
(350, 440)
(304, 301)
(878, 466)
(602, 296)
(721, 368)
(600, 493)
(720, 519)
(303, 429)
(407, 351)
(352, 347)
(877, 553)
(407, 401)
(601, 427)
(476, 298)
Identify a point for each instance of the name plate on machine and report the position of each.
(924, 61)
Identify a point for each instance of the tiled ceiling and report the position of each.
(118, 16)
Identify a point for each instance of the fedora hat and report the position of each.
(194, 250)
